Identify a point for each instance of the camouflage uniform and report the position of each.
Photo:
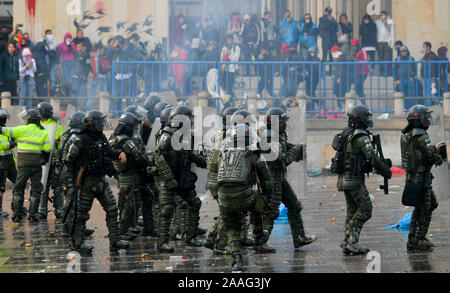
(91, 151)
(283, 192)
(360, 159)
(172, 165)
(238, 171)
(418, 157)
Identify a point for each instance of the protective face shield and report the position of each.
(4, 116)
(426, 119)
(99, 124)
(31, 114)
(141, 114)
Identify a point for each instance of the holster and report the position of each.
(413, 194)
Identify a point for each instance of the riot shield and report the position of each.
(51, 130)
(441, 183)
(296, 129)
(69, 112)
(14, 119)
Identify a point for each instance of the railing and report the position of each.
(325, 83)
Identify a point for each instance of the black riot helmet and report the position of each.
(280, 114)
(420, 116)
(140, 113)
(180, 111)
(96, 121)
(4, 116)
(240, 117)
(76, 120)
(150, 105)
(228, 113)
(165, 116)
(159, 108)
(360, 117)
(127, 124)
(46, 110)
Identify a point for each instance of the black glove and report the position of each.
(45, 158)
(12, 144)
(442, 150)
(388, 162)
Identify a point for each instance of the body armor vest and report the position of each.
(412, 159)
(235, 167)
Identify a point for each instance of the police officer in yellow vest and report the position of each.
(34, 148)
(50, 123)
(7, 161)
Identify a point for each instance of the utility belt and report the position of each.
(232, 188)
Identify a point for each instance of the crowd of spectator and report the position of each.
(78, 68)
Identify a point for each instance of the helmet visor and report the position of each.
(141, 114)
(23, 115)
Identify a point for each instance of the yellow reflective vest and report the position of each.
(59, 131)
(31, 142)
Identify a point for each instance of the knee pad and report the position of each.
(166, 210)
(197, 203)
(183, 205)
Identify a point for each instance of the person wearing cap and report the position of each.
(27, 70)
(288, 30)
(405, 75)
(309, 33)
(33, 147)
(328, 28)
(361, 70)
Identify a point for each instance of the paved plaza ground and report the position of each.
(42, 247)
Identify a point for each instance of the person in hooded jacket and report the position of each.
(405, 76)
(43, 69)
(51, 46)
(368, 34)
(67, 52)
(309, 33)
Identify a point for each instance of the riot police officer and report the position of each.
(7, 162)
(240, 167)
(176, 182)
(75, 127)
(33, 145)
(283, 192)
(217, 238)
(146, 199)
(54, 129)
(358, 158)
(150, 106)
(89, 161)
(418, 157)
(129, 169)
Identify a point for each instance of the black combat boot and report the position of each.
(303, 241)
(42, 216)
(118, 245)
(16, 219)
(84, 249)
(236, 266)
(150, 233)
(192, 241)
(3, 214)
(166, 247)
(201, 231)
(88, 232)
(209, 243)
(353, 248)
(34, 218)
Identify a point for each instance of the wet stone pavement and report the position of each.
(42, 247)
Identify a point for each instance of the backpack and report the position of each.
(340, 142)
(103, 65)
